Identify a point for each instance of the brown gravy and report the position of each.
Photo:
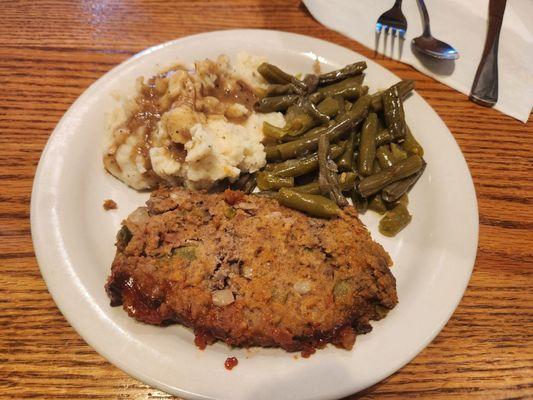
(150, 109)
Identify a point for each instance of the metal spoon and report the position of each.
(427, 44)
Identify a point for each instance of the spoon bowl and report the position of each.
(427, 44)
(434, 48)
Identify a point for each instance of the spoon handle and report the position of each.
(485, 87)
(425, 18)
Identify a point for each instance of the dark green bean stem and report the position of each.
(374, 183)
(317, 206)
(327, 173)
(311, 82)
(343, 73)
(367, 145)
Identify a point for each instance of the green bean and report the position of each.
(269, 181)
(311, 204)
(383, 137)
(343, 73)
(394, 113)
(394, 191)
(309, 142)
(352, 93)
(374, 183)
(349, 89)
(299, 122)
(347, 106)
(311, 82)
(327, 177)
(398, 154)
(276, 103)
(360, 202)
(124, 236)
(359, 78)
(411, 145)
(367, 145)
(346, 160)
(404, 199)
(245, 183)
(394, 220)
(187, 252)
(272, 131)
(268, 194)
(279, 90)
(302, 121)
(329, 106)
(341, 104)
(377, 204)
(384, 157)
(404, 88)
(304, 165)
(310, 109)
(376, 167)
(273, 74)
(346, 182)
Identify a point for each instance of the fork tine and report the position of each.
(392, 21)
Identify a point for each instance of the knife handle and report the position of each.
(485, 87)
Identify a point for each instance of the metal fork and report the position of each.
(393, 20)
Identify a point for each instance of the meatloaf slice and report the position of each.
(250, 272)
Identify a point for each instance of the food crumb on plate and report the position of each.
(317, 69)
(230, 363)
(109, 205)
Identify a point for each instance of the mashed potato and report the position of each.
(190, 127)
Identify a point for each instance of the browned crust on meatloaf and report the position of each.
(174, 254)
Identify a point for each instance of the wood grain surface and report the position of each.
(52, 50)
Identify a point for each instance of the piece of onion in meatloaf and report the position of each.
(248, 271)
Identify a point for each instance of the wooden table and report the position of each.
(52, 50)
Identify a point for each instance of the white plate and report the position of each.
(74, 236)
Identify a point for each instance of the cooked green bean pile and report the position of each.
(338, 141)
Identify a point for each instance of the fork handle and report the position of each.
(485, 87)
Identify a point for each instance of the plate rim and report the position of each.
(115, 360)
